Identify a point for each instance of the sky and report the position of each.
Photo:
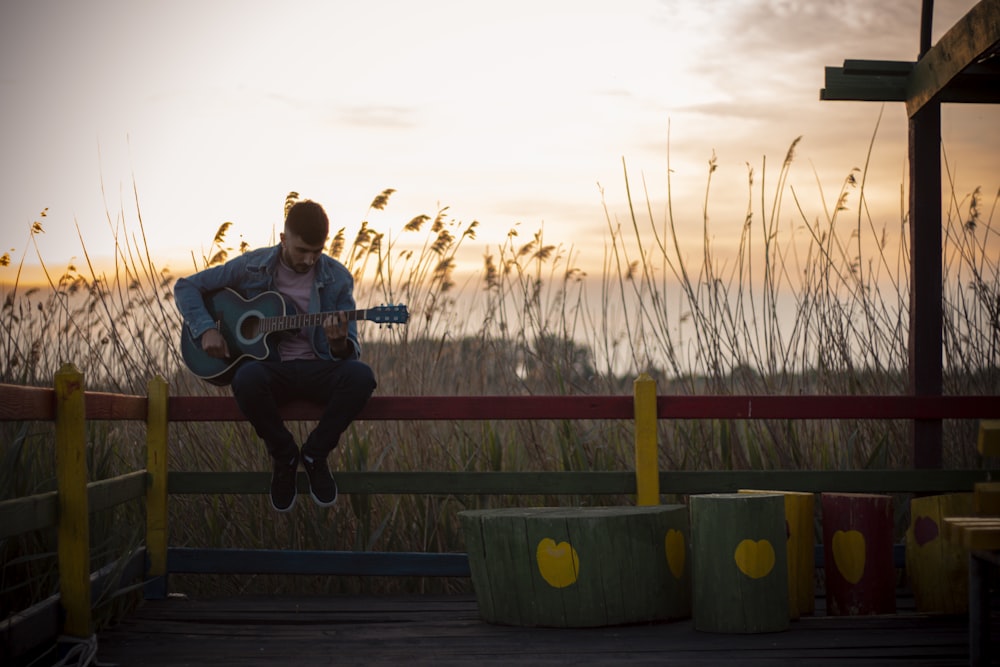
(522, 112)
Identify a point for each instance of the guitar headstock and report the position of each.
(388, 314)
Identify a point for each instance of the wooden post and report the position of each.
(739, 563)
(980, 651)
(74, 511)
(926, 296)
(156, 490)
(647, 473)
(579, 566)
(937, 569)
(857, 554)
(800, 509)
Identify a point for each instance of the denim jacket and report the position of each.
(253, 273)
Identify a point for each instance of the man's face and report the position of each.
(297, 254)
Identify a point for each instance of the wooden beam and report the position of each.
(600, 483)
(842, 84)
(18, 403)
(972, 36)
(886, 80)
(22, 515)
(323, 563)
(470, 408)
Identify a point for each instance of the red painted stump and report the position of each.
(857, 551)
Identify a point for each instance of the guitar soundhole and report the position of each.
(249, 328)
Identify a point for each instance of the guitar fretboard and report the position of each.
(286, 322)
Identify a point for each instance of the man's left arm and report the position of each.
(337, 329)
(342, 333)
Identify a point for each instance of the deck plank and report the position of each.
(447, 630)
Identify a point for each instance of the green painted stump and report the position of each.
(739, 563)
(857, 554)
(579, 567)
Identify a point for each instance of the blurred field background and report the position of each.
(814, 301)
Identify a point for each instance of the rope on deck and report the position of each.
(80, 652)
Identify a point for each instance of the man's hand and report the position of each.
(335, 326)
(214, 344)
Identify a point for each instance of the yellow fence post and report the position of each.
(647, 474)
(989, 437)
(74, 511)
(156, 488)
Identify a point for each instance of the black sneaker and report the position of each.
(322, 486)
(283, 484)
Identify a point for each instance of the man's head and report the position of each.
(306, 230)
(307, 220)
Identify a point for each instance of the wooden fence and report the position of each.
(68, 508)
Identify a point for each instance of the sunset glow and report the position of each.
(515, 113)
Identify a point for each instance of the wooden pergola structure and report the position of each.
(964, 66)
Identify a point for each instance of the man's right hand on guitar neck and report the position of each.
(214, 344)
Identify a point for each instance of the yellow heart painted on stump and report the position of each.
(558, 564)
(675, 552)
(755, 559)
(849, 554)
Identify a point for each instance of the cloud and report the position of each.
(790, 29)
(779, 49)
(615, 93)
(378, 117)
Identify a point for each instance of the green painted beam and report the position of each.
(886, 81)
(435, 483)
(841, 85)
(116, 490)
(817, 481)
(23, 515)
(597, 483)
(40, 511)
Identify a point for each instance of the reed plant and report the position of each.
(814, 301)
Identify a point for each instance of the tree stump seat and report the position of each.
(857, 554)
(581, 566)
(739, 563)
(799, 524)
(936, 567)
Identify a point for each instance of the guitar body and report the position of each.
(239, 320)
(252, 329)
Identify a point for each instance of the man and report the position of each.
(317, 363)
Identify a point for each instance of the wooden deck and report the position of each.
(446, 630)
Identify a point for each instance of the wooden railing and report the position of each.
(68, 508)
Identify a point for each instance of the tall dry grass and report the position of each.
(814, 301)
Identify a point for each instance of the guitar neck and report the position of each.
(286, 322)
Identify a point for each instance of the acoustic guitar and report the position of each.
(253, 327)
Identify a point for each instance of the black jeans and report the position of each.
(343, 387)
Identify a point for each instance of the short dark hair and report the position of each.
(308, 221)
